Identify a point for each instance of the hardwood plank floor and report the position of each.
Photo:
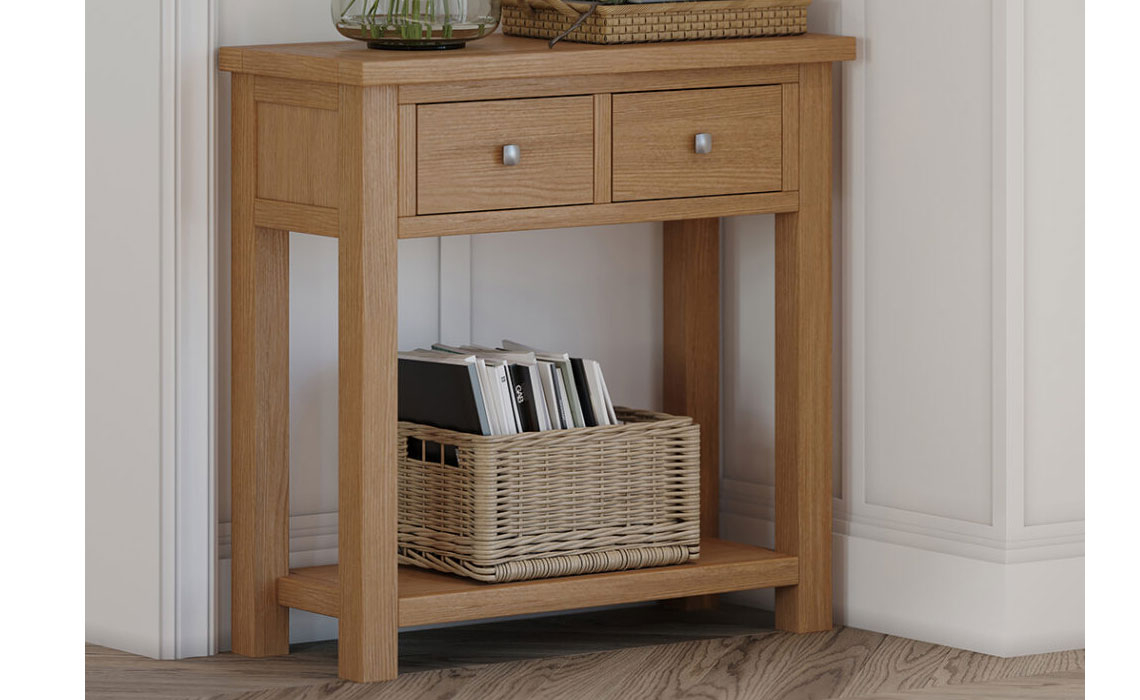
(648, 652)
(1051, 686)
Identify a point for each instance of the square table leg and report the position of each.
(803, 368)
(367, 133)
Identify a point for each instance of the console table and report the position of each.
(333, 139)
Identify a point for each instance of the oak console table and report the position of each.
(370, 146)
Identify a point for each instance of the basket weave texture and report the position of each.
(668, 21)
(551, 503)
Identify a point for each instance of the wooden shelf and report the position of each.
(428, 597)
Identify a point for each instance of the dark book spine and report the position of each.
(523, 394)
(583, 388)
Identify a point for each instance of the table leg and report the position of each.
(803, 368)
(367, 433)
(259, 403)
(692, 352)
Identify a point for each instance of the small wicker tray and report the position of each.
(666, 21)
(554, 503)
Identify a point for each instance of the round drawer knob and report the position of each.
(703, 143)
(511, 154)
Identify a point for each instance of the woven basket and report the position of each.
(668, 21)
(554, 503)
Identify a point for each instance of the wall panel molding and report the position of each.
(747, 501)
(1009, 269)
(187, 175)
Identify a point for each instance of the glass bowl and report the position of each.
(415, 24)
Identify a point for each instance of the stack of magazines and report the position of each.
(502, 391)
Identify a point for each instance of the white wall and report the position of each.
(960, 514)
(959, 345)
(124, 329)
(149, 524)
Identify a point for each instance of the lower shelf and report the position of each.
(427, 597)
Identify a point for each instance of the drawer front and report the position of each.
(462, 163)
(655, 142)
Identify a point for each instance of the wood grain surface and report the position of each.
(305, 218)
(430, 597)
(653, 142)
(499, 56)
(300, 93)
(596, 214)
(803, 368)
(367, 382)
(459, 154)
(626, 654)
(679, 79)
(259, 400)
(296, 154)
(691, 344)
(603, 148)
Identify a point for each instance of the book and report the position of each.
(606, 396)
(499, 396)
(508, 406)
(489, 385)
(562, 361)
(597, 392)
(523, 394)
(443, 391)
(582, 387)
(502, 391)
(563, 400)
(546, 372)
(526, 385)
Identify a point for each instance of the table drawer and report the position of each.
(462, 163)
(655, 142)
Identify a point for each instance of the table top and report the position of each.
(501, 56)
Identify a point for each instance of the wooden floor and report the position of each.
(649, 652)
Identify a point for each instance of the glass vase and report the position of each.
(415, 24)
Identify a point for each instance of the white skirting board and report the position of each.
(1001, 609)
(1008, 609)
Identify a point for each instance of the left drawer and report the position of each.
(504, 154)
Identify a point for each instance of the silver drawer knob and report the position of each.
(511, 154)
(703, 143)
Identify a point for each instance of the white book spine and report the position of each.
(606, 397)
(539, 390)
(546, 374)
(509, 399)
(567, 414)
(490, 398)
(597, 398)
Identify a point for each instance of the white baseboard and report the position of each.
(1004, 609)
(1001, 609)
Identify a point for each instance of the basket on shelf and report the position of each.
(595, 23)
(553, 503)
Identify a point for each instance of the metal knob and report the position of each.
(511, 154)
(703, 143)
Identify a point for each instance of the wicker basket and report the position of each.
(552, 503)
(668, 21)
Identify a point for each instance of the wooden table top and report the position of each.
(501, 56)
